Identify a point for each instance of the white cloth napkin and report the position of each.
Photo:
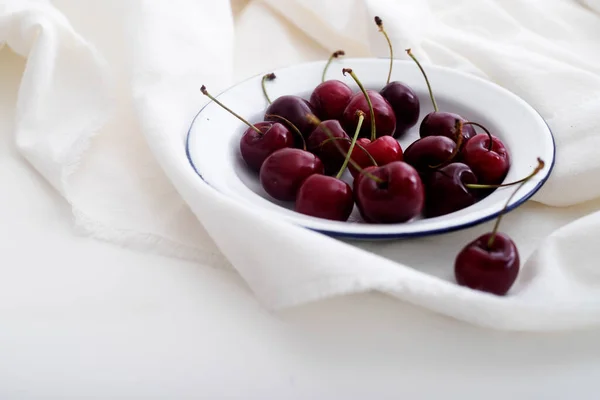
(110, 89)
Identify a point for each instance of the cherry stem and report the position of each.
(312, 118)
(485, 130)
(537, 169)
(291, 125)
(364, 91)
(205, 92)
(267, 77)
(458, 127)
(363, 149)
(482, 186)
(435, 106)
(379, 23)
(361, 118)
(335, 54)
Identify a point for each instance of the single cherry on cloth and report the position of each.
(440, 123)
(389, 194)
(294, 109)
(325, 196)
(259, 140)
(402, 98)
(447, 191)
(330, 98)
(491, 262)
(284, 171)
(491, 269)
(320, 144)
(487, 156)
(382, 119)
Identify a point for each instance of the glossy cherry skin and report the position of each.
(325, 197)
(446, 190)
(405, 103)
(493, 270)
(295, 109)
(255, 147)
(385, 119)
(427, 152)
(384, 150)
(442, 123)
(330, 99)
(284, 171)
(399, 198)
(329, 153)
(490, 166)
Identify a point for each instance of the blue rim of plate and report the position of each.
(383, 236)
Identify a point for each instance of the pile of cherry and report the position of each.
(302, 149)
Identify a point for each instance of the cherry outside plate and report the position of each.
(213, 140)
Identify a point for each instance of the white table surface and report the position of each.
(81, 318)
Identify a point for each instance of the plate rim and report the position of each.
(390, 235)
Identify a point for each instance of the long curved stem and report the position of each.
(482, 186)
(267, 77)
(364, 91)
(205, 92)
(539, 167)
(485, 130)
(361, 118)
(435, 106)
(379, 23)
(291, 125)
(335, 54)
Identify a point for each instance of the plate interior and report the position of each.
(213, 140)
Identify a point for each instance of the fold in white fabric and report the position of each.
(110, 89)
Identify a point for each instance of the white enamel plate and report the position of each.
(213, 140)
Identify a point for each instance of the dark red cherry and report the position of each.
(446, 190)
(489, 164)
(383, 150)
(283, 172)
(325, 197)
(405, 103)
(395, 195)
(491, 269)
(385, 119)
(259, 141)
(440, 123)
(329, 153)
(428, 152)
(401, 97)
(255, 147)
(363, 159)
(330, 99)
(491, 262)
(293, 108)
(357, 180)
